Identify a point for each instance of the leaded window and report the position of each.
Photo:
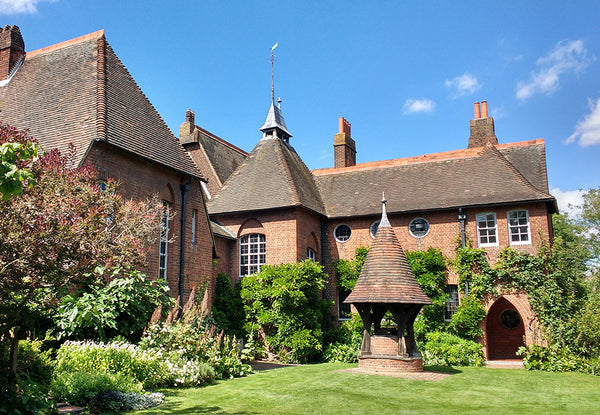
(253, 250)
(163, 241)
(452, 302)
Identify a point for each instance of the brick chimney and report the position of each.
(482, 127)
(188, 126)
(344, 146)
(12, 49)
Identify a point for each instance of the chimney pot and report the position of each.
(12, 50)
(189, 116)
(484, 109)
(477, 111)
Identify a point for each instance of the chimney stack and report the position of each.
(12, 49)
(344, 146)
(188, 126)
(482, 127)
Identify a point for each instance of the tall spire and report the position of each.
(274, 126)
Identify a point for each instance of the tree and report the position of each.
(17, 152)
(57, 232)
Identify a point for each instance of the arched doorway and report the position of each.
(505, 330)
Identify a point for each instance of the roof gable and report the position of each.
(77, 92)
(272, 176)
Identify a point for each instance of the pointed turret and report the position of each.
(274, 125)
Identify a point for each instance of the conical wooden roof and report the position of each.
(386, 276)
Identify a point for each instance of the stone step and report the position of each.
(65, 408)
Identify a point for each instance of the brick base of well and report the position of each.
(386, 363)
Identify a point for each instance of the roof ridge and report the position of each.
(94, 35)
(222, 141)
(425, 158)
(492, 149)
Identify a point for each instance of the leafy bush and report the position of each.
(344, 341)
(465, 322)
(227, 308)
(29, 398)
(121, 307)
(448, 349)
(78, 387)
(197, 344)
(285, 311)
(34, 363)
(150, 368)
(556, 358)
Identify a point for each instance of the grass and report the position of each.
(322, 389)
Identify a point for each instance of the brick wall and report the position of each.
(140, 180)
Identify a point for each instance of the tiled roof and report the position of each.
(386, 276)
(224, 156)
(77, 92)
(479, 176)
(272, 176)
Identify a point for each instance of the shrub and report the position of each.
(79, 387)
(35, 364)
(284, 309)
(465, 322)
(29, 398)
(556, 358)
(228, 309)
(448, 349)
(345, 341)
(150, 368)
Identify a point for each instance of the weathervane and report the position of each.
(272, 72)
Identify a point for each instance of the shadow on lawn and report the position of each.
(175, 408)
(442, 369)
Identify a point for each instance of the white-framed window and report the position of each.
(518, 227)
(311, 254)
(373, 229)
(344, 310)
(253, 250)
(452, 302)
(342, 233)
(163, 250)
(418, 227)
(194, 216)
(487, 232)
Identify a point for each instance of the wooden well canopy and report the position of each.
(387, 283)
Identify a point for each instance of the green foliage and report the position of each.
(284, 308)
(449, 350)
(556, 358)
(35, 364)
(227, 308)
(429, 268)
(79, 387)
(29, 398)
(114, 401)
(344, 341)
(196, 348)
(465, 322)
(149, 368)
(17, 152)
(347, 271)
(121, 307)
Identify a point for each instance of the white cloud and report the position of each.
(19, 6)
(418, 105)
(463, 85)
(567, 56)
(568, 201)
(587, 131)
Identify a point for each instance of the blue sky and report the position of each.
(405, 74)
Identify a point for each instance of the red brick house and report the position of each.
(272, 209)
(78, 92)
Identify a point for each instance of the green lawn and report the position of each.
(321, 389)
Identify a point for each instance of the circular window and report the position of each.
(342, 233)
(418, 227)
(373, 229)
(510, 319)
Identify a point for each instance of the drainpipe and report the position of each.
(184, 187)
(462, 218)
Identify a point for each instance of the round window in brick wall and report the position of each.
(510, 319)
(373, 229)
(342, 233)
(418, 227)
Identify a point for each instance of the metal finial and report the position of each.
(273, 73)
(279, 102)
